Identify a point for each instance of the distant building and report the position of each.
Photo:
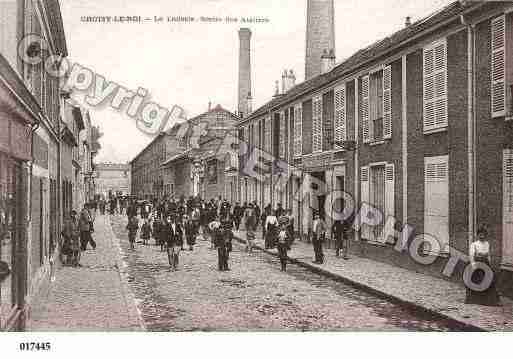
(111, 178)
(185, 160)
(198, 167)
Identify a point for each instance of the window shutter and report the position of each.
(365, 109)
(387, 102)
(364, 180)
(317, 125)
(340, 114)
(282, 135)
(436, 198)
(364, 194)
(507, 213)
(498, 67)
(256, 136)
(298, 131)
(435, 86)
(268, 134)
(389, 190)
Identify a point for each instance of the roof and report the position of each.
(217, 108)
(76, 112)
(160, 134)
(106, 166)
(173, 130)
(367, 54)
(176, 157)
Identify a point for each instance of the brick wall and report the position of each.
(493, 135)
(457, 139)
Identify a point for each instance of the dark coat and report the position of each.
(173, 238)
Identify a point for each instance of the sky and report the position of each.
(192, 64)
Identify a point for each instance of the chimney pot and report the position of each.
(407, 21)
(276, 88)
(327, 61)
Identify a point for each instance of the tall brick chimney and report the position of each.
(244, 71)
(320, 34)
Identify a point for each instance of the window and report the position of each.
(507, 201)
(377, 105)
(435, 86)
(436, 198)
(340, 114)
(298, 131)
(268, 134)
(378, 190)
(282, 135)
(498, 58)
(256, 137)
(317, 124)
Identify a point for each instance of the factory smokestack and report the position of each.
(244, 72)
(320, 34)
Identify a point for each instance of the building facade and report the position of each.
(111, 178)
(31, 154)
(71, 126)
(185, 160)
(417, 125)
(200, 164)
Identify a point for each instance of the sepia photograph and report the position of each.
(303, 169)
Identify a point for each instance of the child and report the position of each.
(133, 227)
(283, 247)
(250, 238)
(145, 232)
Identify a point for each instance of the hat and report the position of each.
(483, 229)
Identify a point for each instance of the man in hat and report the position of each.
(318, 237)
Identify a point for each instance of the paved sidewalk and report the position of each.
(94, 297)
(421, 291)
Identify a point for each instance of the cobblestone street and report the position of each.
(254, 295)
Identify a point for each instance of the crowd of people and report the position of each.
(176, 223)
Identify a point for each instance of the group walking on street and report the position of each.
(176, 225)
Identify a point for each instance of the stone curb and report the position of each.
(129, 297)
(378, 292)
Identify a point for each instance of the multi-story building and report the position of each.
(147, 176)
(184, 160)
(201, 161)
(417, 125)
(111, 178)
(71, 126)
(85, 154)
(29, 162)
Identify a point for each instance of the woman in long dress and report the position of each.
(480, 252)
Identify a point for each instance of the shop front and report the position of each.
(14, 152)
(17, 120)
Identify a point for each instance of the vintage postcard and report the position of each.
(255, 166)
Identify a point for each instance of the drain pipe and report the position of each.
(471, 129)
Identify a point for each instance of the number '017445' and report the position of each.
(35, 346)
